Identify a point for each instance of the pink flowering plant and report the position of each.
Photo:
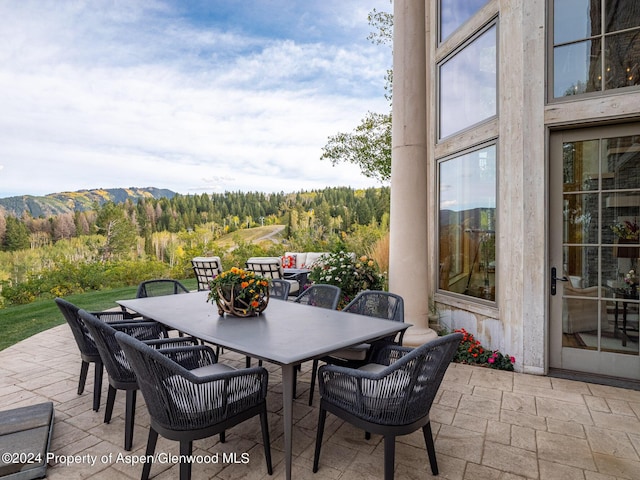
(471, 352)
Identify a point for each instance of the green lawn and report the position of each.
(22, 321)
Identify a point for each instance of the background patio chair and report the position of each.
(190, 402)
(373, 303)
(390, 397)
(119, 372)
(270, 268)
(279, 289)
(206, 269)
(88, 350)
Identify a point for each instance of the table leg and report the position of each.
(288, 372)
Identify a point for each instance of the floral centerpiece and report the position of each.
(239, 292)
(626, 230)
(631, 279)
(352, 274)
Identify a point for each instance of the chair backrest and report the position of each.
(320, 295)
(279, 289)
(268, 267)
(160, 287)
(81, 334)
(176, 400)
(111, 353)
(420, 372)
(377, 303)
(206, 269)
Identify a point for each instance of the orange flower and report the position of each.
(254, 304)
(244, 284)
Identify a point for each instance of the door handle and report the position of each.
(554, 279)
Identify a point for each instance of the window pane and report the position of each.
(468, 85)
(454, 13)
(581, 218)
(580, 165)
(575, 20)
(621, 160)
(621, 14)
(468, 223)
(577, 69)
(622, 54)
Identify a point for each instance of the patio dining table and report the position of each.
(286, 334)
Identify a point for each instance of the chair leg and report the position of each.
(97, 385)
(111, 398)
(130, 414)
(247, 362)
(265, 439)
(389, 456)
(319, 433)
(431, 449)
(314, 373)
(223, 437)
(84, 368)
(151, 448)
(186, 448)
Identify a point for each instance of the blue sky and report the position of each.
(193, 95)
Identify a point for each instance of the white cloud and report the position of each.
(111, 104)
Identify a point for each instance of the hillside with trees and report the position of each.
(122, 243)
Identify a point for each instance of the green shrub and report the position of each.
(351, 274)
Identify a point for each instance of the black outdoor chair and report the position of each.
(390, 397)
(373, 303)
(279, 289)
(160, 287)
(190, 400)
(119, 372)
(317, 295)
(88, 350)
(320, 295)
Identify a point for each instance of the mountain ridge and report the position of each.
(81, 200)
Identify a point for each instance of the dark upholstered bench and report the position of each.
(25, 434)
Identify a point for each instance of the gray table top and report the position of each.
(285, 333)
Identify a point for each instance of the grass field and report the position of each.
(21, 321)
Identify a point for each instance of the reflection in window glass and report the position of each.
(623, 60)
(467, 226)
(468, 85)
(454, 13)
(577, 69)
(583, 53)
(575, 20)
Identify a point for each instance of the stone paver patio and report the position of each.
(487, 425)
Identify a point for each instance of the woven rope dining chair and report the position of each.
(390, 397)
(373, 303)
(88, 350)
(189, 401)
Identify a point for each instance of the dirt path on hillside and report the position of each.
(270, 235)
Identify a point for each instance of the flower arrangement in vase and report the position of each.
(239, 292)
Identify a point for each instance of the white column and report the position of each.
(408, 255)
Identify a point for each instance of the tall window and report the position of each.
(468, 84)
(467, 226)
(596, 45)
(453, 13)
